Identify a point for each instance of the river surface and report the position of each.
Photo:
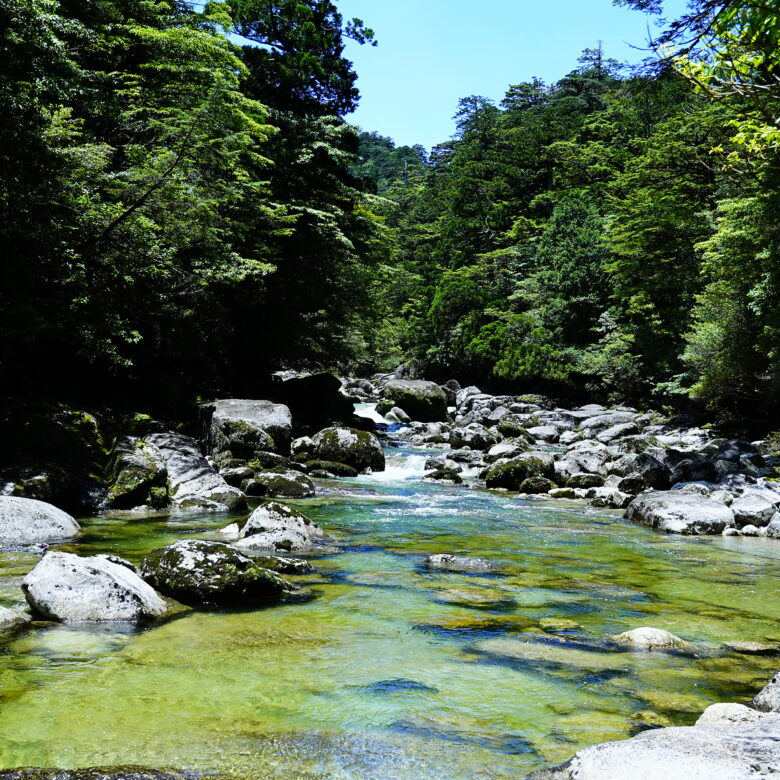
(392, 671)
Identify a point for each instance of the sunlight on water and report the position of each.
(393, 671)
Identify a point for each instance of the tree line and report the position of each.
(184, 207)
(617, 232)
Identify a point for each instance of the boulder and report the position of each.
(675, 511)
(359, 449)
(316, 400)
(474, 436)
(742, 751)
(768, 698)
(643, 469)
(448, 562)
(198, 572)
(275, 526)
(696, 468)
(396, 414)
(509, 448)
(755, 506)
(281, 483)
(536, 485)
(245, 426)
(11, 618)
(548, 433)
(332, 467)
(27, 521)
(422, 401)
(464, 394)
(444, 475)
(512, 473)
(583, 480)
(617, 432)
(193, 483)
(647, 638)
(68, 588)
(137, 475)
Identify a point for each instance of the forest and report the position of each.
(186, 207)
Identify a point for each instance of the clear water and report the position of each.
(391, 671)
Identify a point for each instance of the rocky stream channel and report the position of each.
(365, 653)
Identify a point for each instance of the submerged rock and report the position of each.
(198, 572)
(449, 562)
(359, 449)
(194, 484)
(98, 773)
(275, 526)
(647, 638)
(28, 521)
(680, 512)
(68, 588)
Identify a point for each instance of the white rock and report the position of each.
(28, 521)
(72, 589)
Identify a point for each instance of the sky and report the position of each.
(431, 53)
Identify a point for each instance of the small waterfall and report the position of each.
(399, 468)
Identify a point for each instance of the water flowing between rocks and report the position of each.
(392, 670)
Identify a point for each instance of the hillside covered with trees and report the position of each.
(183, 214)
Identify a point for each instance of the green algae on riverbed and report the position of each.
(499, 674)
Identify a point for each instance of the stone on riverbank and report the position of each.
(512, 473)
(359, 449)
(69, 588)
(194, 484)
(198, 572)
(675, 511)
(422, 401)
(244, 426)
(281, 483)
(137, 475)
(28, 521)
(768, 698)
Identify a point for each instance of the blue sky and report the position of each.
(433, 52)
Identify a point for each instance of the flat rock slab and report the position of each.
(675, 511)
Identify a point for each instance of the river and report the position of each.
(390, 670)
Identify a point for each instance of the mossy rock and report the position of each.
(99, 773)
(359, 449)
(585, 481)
(136, 476)
(280, 484)
(332, 467)
(444, 475)
(199, 572)
(513, 473)
(536, 485)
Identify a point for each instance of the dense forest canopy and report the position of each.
(182, 214)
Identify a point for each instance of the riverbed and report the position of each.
(389, 670)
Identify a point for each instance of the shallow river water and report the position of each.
(392, 671)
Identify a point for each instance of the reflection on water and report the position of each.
(394, 671)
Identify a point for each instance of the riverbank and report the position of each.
(510, 669)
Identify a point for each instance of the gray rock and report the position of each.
(548, 433)
(696, 468)
(755, 506)
(512, 473)
(244, 426)
(646, 471)
(773, 528)
(464, 394)
(680, 512)
(647, 638)
(449, 562)
(27, 521)
(359, 449)
(280, 483)
(68, 588)
(197, 572)
(509, 448)
(617, 432)
(422, 401)
(768, 698)
(726, 713)
(396, 414)
(194, 484)
(275, 526)
(137, 475)
(302, 446)
(11, 618)
(475, 436)
(741, 751)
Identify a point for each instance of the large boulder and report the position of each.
(422, 401)
(316, 400)
(193, 483)
(246, 426)
(695, 468)
(740, 751)
(198, 572)
(275, 526)
(755, 506)
(643, 470)
(137, 475)
(676, 511)
(27, 521)
(359, 449)
(68, 588)
(512, 473)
